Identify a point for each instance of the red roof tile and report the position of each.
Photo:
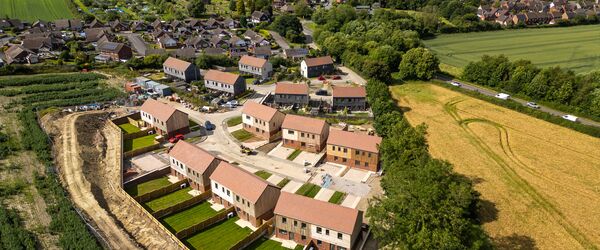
(339, 91)
(220, 76)
(304, 124)
(177, 64)
(239, 181)
(192, 156)
(291, 88)
(253, 61)
(311, 62)
(354, 140)
(259, 111)
(159, 110)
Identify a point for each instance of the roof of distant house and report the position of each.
(317, 212)
(354, 140)
(317, 61)
(192, 156)
(253, 61)
(304, 124)
(177, 64)
(158, 109)
(339, 91)
(220, 76)
(240, 181)
(291, 88)
(111, 47)
(259, 111)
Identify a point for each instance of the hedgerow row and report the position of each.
(32, 89)
(48, 79)
(47, 96)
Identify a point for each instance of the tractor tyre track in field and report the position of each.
(451, 109)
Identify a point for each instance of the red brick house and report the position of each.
(353, 149)
(304, 133)
(262, 121)
(188, 161)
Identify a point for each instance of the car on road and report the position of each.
(570, 118)
(455, 83)
(532, 105)
(176, 138)
(209, 126)
(502, 96)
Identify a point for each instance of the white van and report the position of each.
(502, 96)
(570, 118)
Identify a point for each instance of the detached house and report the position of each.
(188, 161)
(287, 94)
(316, 224)
(313, 67)
(353, 149)
(259, 17)
(181, 69)
(262, 121)
(304, 133)
(261, 68)
(224, 82)
(19, 54)
(254, 199)
(110, 51)
(352, 98)
(166, 120)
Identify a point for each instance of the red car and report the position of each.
(176, 138)
(321, 78)
(337, 77)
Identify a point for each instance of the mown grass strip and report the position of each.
(189, 217)
(222, 235)
(263, 174)
(147, 187)
(308, 190)
(169, 200)
(294, 154)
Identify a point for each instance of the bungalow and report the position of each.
(197, 42)
(295, 54)
(261, 68)
(181, 69)
(114, 51)
(352, 98)
(304, 133)
(259, 17)
(316, 224)
(166, 120)
(353, 149)
(263, 52)
(254, 199)
(166, 41)
(288, 94)
(224, 82)
(313, 67)
(262, 121)
(188, 161)
(18, 54)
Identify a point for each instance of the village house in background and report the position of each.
(351, 98)
(181, 69)
(191, 162)
(288, 94)
(258, 67)
(262, 121)
(313, 67)
(304, 133)
(536, 12)
(224, 82)
(318, 224)
(353, 149)
(254, 199)
(110, 51)
(166, 120)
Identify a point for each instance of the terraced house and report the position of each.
(287, 94)
(191, 162)
(351, 98)
(253, 198)
(262, 121)
(260, 68)
(304, 133)
(353, 149)
(166, 120)
(317, 224)
(224, 82)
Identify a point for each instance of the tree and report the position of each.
(241, 8)
(251, 6)
(232, 5)
(418, 63)
(288, 26)
(303, 10)
(377, 70)
(196, 8)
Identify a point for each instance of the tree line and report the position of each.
(559, 87)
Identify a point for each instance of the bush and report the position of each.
(14, 236)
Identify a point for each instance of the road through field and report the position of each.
(538, 181)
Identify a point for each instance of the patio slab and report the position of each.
(351, 201)
(357, 175)
(292, 187)
(148, 162)
(311, 158)
(274, 179)
(324, 194)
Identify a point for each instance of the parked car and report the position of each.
(176, 138)
(570, 118)
(321, 92)
(533, 105)
(336, 77)
(234, 103)
(455, 83)
(502, 96)
(209, 126)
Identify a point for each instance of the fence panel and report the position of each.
(260, 231)
(204, 224)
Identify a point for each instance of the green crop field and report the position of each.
(575, 48)
(31, 10)
(189, 217)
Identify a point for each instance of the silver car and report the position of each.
(533, 105)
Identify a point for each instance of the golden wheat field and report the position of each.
(539, 182)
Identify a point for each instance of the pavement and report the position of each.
(292, 187)
(137, 42)
(351, 201)
(279, 40)
(324, 194)
(489, 92)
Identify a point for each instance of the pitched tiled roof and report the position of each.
(192, 156)
(253, 61)
(316, 212)
(259, 111)
(177, 64)
(220, 76)
(349, 91)
(241, 182)
(354, 140)
(291, 88)
(317, 61)
(304, 124)
(158, 109)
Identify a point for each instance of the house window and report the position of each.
(313, 136)
(345, 150)
(319, 242)
(237, 198)
(228, 194)
(340, 236)
(369, 155)
(290, 132)
(344, 160)
(303, 225)
(303, 144)
(216, 185)
(357, 152)
(326, 231)
(295, 223)
(366, 164)
(357, 163)
(333, 148)
(335, 158)
(281, 231)
(303, 237)
(283, 220)
(319, 230)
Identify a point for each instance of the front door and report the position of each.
(291, 236)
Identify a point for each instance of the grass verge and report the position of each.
(263, 174)
(242, 135)
(129, 128)
(265, 244)
(283, 182)
(337, 197)
(294, 154)
(234, 121)
(169, 200)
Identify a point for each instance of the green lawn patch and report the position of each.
(147, 187)
(242, 135)
(308, 190)
(193, 123)
(337, 197)
(169, 200)
(265, 244)
(137, 143)
(31, 10)
(129, 128)
(283, 182)
(263, 174)
(250, 81)
(294, 154)
(222, 235)
(189, 217)
(234, 121)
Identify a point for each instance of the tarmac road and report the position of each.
(488, 92)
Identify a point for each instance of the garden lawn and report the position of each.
(137, 143)
(189, 217)
(147, 187)
(129, 128)
(265, 244)
(31, 10)
(242, 135)
(283, 182)
(263, 174)
(294, 154)
(234, 121)
(222, 235)
(169, 200)
(337, 197)
(308, 190)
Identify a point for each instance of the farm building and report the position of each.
(166, 120)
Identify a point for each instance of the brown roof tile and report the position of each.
(291, 88)
(253, 61)
(304, 124)
(241, 182)
(177, 64)
(316, 212)
(220, 76)
(192, 156)
(311, 62)
(349, 92)
(158, 109)
(259, 111)
(354, 140)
